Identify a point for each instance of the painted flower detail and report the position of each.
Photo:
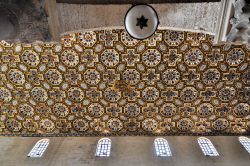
(16, 77)
(235, 56)
(110, 58)
(150, 94)
(170, 76)
(193, 57)
(151, 57)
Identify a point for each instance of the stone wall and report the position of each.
(180, 15)
(23, 20)
(125, 151)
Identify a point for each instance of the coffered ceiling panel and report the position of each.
(103, 82)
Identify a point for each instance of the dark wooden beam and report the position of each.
(131, 1)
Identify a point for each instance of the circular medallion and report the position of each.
(150, 94)
(220, 124)
(189, 94)
(168, 110)
(151, 58)
(30, 58)
(16, 76)
(5, 94)
(170, 76)
(227, 93)
(26, 110)
(13, 125)
(141, 21)
(80, 125)
(60, 110)
(112, 95)
(87, 39)
(115, 124)
(75, 94)
(92, 77)
(205, 109)
(193, 57)
(132, 109)
(235, 56)
(132, 76)
(149, 124)
(241, 109)
(95, 110)
(39, 94)
(110, 57)
(54, 76)
(47, 125)
(70, 58)
(174, 38)
(185, 124)
(211, 76)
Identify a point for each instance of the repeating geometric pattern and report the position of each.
(103, 82)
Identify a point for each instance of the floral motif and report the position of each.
(92, 77)
(115, 124)
(235, 56)
(70, 58)
(26, 110)
(108, 37)
(13, 125)
(80, 125)
(227, 93)
(150, 94)
(131, 57)
(170, 76)
(47, 125)
(112, 95)
(168, 110)
(16, 76)
(174, 38)
(30, 58)
(205, 109)
(54, 76)
(93, 94)
(88, 39)
(132, 109)
(60, 110)
(30, 125)
(149, 124)
(172, 57)
(151, 58)
(72, 77)
(132, 76)
(193, 57)
(5, 94)
(89, 57)
(185, 124)
(211, 76)
(39, 94)
(95, 110)
(242, 109)
(75, 94)
(188, 94)
(151, 77)
(220, 124)
(110, 58)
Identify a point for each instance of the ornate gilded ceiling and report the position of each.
(103, 82)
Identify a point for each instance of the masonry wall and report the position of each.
(126, 151)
